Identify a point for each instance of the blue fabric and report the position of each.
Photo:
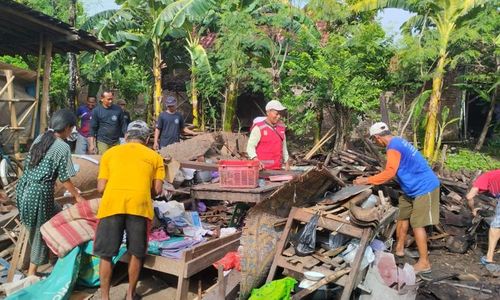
(414, 174)
(88, 275)
(60, 282)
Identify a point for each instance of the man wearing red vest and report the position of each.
(267, 142)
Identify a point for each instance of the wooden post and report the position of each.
(37, 88)
(12, 110)
(44, 110)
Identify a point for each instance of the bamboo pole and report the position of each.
(318, 145)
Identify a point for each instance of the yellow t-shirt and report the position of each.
(130, 170)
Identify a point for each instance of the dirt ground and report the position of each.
(152, 285)
(445, 263)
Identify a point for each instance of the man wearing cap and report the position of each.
(129, 176)
(419, 206)
(169, 126)
(106, 126)
(488, 182)
(84, 114)
(126, 115)
(267, 141)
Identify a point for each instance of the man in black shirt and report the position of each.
(126, 115)
(170, 125)
(107, 125)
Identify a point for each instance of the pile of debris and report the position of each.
(457, 227)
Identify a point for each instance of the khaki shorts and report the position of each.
(103, 147)
(421, 211)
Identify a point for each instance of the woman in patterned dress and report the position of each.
(48, 159)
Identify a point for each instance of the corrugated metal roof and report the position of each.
(21, 28)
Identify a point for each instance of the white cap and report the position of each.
(378, 128)
(274, 104)
(258, 119)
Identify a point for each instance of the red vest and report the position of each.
(270, 147)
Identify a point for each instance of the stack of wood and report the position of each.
(219, 215)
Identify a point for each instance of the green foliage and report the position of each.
(469, 160)
(349, 70)
(58, 9)
(16, 61)
(59, 82)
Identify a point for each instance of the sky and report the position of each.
(390, 18)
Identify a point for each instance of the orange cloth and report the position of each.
(391, 168)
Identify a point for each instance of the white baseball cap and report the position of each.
(378, 128)
(275, 104)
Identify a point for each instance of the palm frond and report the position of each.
(368, 5)
(94, 20)
(175, 14)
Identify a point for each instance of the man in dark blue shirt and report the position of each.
(107, 125)
(170, 124)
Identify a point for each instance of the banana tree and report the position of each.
(442, 126)
(199, 62)
(140, 29)
(446, 16)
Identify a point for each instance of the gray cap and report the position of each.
(138, 129)
(170, 101)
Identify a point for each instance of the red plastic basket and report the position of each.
(239, 173)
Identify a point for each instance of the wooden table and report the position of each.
(333, 223)
(213, 191)
(193, 260)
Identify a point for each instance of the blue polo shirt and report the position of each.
(414, 174)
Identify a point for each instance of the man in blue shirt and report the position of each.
(170, 125)
(419, 206)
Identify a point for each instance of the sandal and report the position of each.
(484, 261)
(423, 272)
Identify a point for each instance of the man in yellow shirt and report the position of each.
(129, 175)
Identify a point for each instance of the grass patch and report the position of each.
(470, 160)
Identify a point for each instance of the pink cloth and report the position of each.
(158, 235)
(71, 227)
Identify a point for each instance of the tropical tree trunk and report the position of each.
(157, 93)
(341, 126)
(489, 117)
(203, 119)
(319, 124)
(434, 105)
(194, 99)
(230, 106)
(72, 91)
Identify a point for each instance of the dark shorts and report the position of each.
(109, 235)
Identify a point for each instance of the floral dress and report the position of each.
(35, 194)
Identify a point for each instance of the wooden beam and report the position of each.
(37, 87)
(7, 84)
(45, 105)
(27, 113)
(13, 113)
